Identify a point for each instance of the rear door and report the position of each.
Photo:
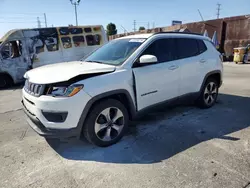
(157, 82)
(192, 64)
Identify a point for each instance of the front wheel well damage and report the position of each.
(122, 97)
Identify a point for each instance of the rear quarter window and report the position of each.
(187, 47)
(202, 46)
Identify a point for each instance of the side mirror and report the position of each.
(148, 59)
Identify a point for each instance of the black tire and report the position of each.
(5, 81)
(96, 114)
(205, 99)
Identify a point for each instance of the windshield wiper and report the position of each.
(95, 62)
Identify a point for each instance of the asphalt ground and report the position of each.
(171, 147)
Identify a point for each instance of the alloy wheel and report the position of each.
(109, 124)
(210, 93)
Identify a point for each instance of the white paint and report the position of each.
(153, 83)
(148, 59)
(64, 71)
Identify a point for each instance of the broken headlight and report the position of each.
(64, 91)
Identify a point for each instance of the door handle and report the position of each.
(173, 67)
(202, 61)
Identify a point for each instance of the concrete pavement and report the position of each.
(180, 147)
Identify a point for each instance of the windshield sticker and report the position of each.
(137, 40)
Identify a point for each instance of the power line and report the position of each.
(13, 13)
(218, 10)
(19, 22)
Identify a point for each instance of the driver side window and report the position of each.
(163, 49)
(11, 50)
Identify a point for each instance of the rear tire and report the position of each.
(5, 81)
(209, 94)
(106, 123)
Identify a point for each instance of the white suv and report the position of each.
(98, 96)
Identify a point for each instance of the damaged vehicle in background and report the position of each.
(24, 49)
(98, 96)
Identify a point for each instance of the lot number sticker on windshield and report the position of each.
(137, 40)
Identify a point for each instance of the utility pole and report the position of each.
(45, 19)
(75, 3)
(134, 25)
(218, 10)
(153, 25)
(38, 22)
(148, 25)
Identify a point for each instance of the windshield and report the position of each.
(115, 52)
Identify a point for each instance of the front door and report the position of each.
(14, 59)
(157, 82)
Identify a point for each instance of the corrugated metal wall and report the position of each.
(231, 32)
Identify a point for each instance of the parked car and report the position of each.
(24, 49)
(96, 97)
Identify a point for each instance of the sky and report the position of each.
(23, 14)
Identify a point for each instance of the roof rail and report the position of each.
(176, 32)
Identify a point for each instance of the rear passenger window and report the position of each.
(187, 47)
(163, 49)
(202, 46)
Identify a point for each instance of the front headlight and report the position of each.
(64, 91)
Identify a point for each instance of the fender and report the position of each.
(209, 74)
(132, 109)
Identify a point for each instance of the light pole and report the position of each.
(75, 3)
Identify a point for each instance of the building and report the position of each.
(231, 32)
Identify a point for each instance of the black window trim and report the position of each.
(135, 63)
(203, 44)
(199, 53)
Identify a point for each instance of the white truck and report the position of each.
(96, 97)
(24, 49)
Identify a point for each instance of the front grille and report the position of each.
(34, 89)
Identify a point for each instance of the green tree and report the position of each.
(141, 28)
(111, 29)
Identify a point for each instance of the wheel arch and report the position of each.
(121, 94)
(213, 74)
(7, 75)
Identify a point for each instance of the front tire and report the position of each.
(106, 123)
(208, 94)
(5, 81)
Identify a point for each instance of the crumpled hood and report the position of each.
(60, 72)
